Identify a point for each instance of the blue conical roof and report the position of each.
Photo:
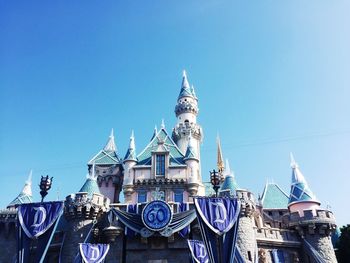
(229, 183)
(90, 186)
(25, 196)
(300, 190)
(186, 90)
(131, 152)
(191, 152)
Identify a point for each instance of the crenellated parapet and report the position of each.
(320, 222)
(187, 128)
(248, 206)
(8, 218)
(80, 205)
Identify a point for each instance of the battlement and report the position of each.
(186, 106)
(247, 200)
(80, 205)
(312, 216)
(185, 129)
(320, 222)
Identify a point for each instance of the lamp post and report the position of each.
(45, 186)
(215, 181)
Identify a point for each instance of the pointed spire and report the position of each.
(93, 172)
(300, 190)
(220, 161)
(185, 83)
(27, 189)
(110, 145)
(155, 132)
(185, 87)
(162, 125)
(25, 196)
(131, 152)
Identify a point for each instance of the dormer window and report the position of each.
(160, 164)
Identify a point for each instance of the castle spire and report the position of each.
(220, 161)
(110, 145)
(300, 190)
(25, 196)
(131, 152)
(186, 90)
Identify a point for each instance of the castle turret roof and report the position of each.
(25, 196)
(191, 151)
(229, 183)
(131, 152)
(108, 154)
(90, 186)
(300, 190)
(186, 90)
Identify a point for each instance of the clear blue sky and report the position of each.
(271, 77)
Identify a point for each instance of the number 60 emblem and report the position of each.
(156, 215)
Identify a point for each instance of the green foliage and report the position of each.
(343, 253)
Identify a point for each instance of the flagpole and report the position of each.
(49, 241)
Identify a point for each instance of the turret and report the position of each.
(186, 111)
(229, 185)
(192, 161)
(314, 225)
(82, 210)
(8, 221)
(109, 170)
(130, 160)
(301, 197)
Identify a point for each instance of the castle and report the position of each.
(276, 227)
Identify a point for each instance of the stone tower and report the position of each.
(81, 211)
(109, 170)
(186, 111)
(314, 225)
(246, 239)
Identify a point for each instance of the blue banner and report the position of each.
(219, 214)
(93, 253)
(218, 219)
(36, 221)
(198, 251)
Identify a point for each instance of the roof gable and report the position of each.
(105, 157)
(274, 197)
(161, 142)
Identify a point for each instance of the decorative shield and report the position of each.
(219, 214)
(93, 253)
(37, 218)
(156, 215)
(198, 251)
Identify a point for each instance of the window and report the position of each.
(142, 197)
(160, 164)
(178, 196)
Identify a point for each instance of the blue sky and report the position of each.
(271, 76)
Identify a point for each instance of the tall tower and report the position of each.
(313, 224)
(186, 111)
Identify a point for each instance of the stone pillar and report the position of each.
(8, 244)
(246, 239)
